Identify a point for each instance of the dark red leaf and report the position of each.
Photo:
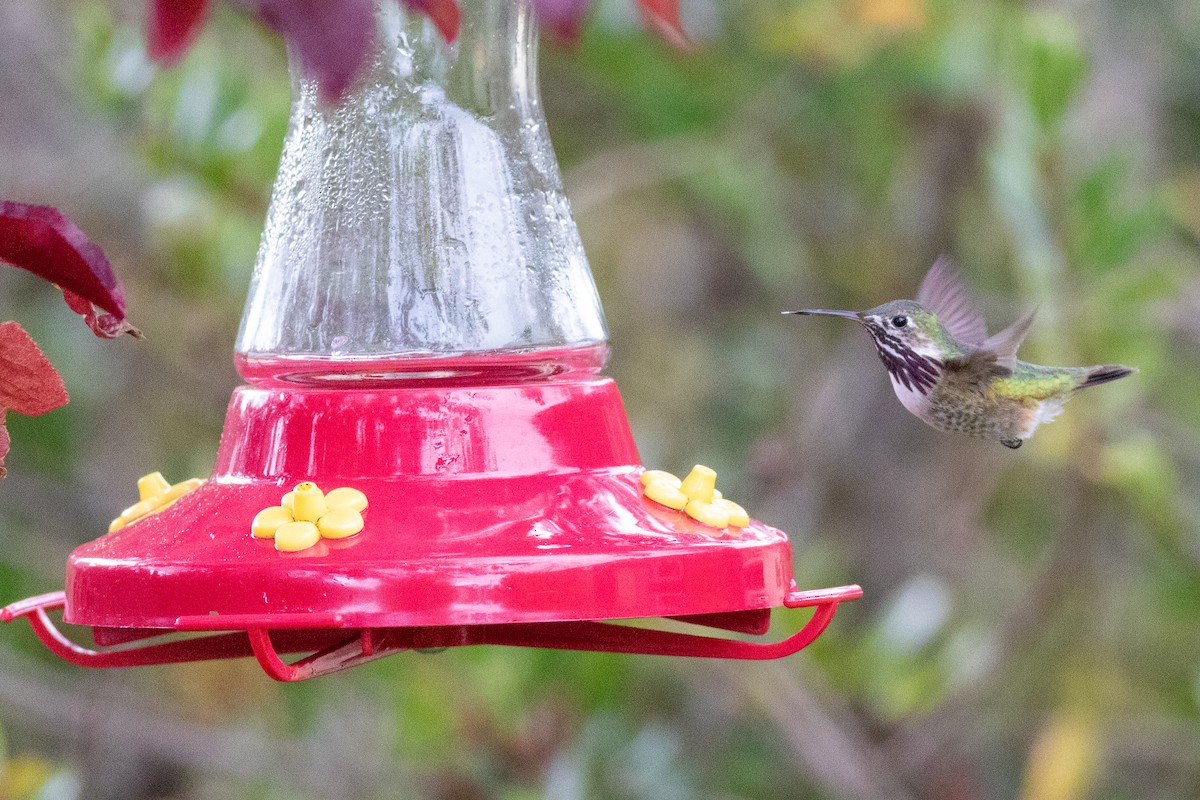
(172, 26)
(664, 16)
(42, 240)
(444, 13)
(331, 41)
(106, 326)
(29, 384)
(563, 18)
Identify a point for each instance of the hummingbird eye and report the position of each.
(899, 321)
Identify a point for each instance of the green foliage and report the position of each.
(1110, 235)
(1051, 64)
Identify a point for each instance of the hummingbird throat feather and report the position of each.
(908, 367)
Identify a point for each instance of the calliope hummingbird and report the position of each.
(947, 371)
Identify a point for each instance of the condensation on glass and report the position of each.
(419, 231)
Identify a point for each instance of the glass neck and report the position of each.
(421, 225)
(490, 70)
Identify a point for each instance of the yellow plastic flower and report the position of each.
(305, 515)
(696, 495)
(154, 494)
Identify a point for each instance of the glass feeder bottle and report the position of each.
(418, 230)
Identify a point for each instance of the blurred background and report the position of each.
(1029, 628)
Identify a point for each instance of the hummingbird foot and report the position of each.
(1012, 444)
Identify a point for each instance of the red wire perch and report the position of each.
(335, 649)
(34, 609)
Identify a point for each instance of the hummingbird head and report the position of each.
(910, 340)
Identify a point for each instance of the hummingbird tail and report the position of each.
(1104, 374)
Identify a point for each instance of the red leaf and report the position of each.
(563, 18)
(172, 26)
(332, 41)
(106, 326)
(42, 240)
(444, 13)
(664, 16)
(29, 384)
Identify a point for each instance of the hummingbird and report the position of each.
(950, 374)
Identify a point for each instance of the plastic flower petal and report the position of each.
(696, 495)
(306, 515)
(154, 495)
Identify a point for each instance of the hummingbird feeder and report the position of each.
(425, 455)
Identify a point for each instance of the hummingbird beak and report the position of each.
(828, 313)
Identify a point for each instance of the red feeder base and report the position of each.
(505, 514)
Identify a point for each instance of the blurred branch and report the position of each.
(833, 747)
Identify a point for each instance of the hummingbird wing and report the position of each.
(996, 357)
(1005, 343)
(943, 293)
